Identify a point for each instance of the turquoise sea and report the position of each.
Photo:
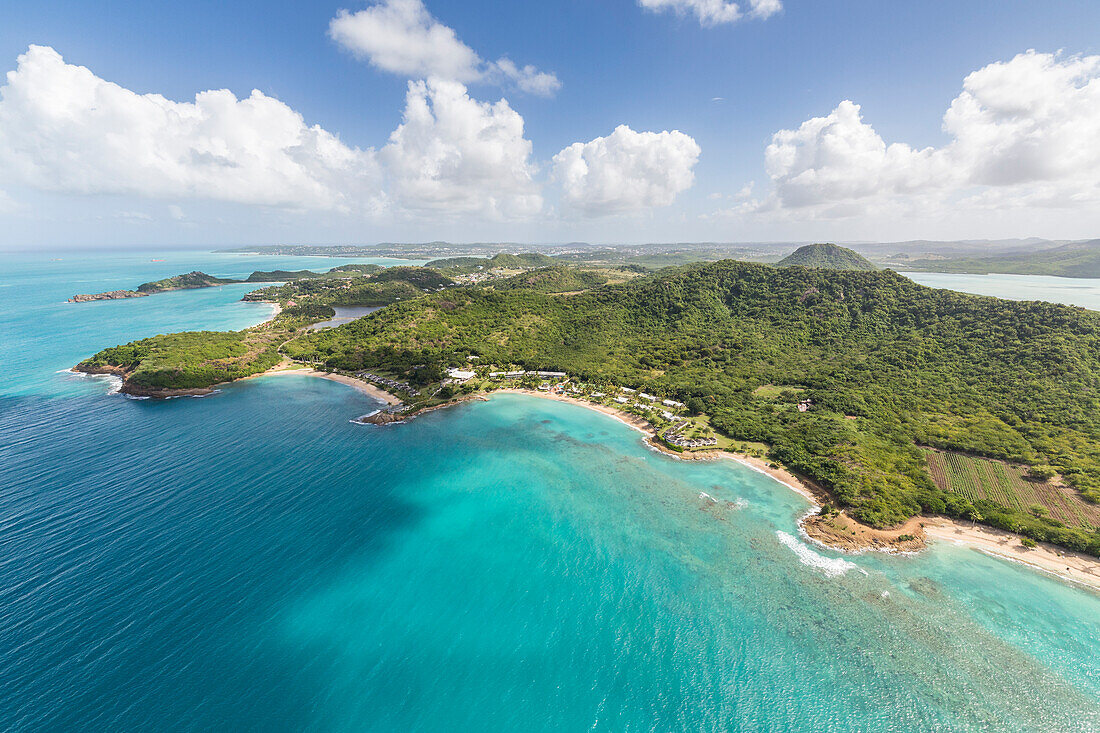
(254, 561)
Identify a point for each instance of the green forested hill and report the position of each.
(887, 364)
(380, 287)
(553, 280)
(199, 360)
(464, 265)
(826, 257)
(184, 282)
(421, 277)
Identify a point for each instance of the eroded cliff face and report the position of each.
(137, 390)
(840, 531)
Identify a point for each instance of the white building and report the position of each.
(460, 375)
(645, 396)
(672, 403)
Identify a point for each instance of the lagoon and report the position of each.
(1083, 292)
(345, 314)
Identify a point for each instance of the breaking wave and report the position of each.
(830, 566)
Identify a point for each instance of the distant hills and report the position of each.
(1025, 255)
(826, 257)
(1076, 259)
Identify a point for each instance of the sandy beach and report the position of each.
(1071, 566)
(643, 426)
(276, 309)
(847, 535)
(288, 367)
(640, 424)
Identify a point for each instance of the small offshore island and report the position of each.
(894, 406)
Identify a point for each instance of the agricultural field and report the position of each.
(1008, 485)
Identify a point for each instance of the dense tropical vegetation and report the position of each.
(556, 279)
(183, 282)
(826, 256)
(887, 365)
(846, 376)
(187, 361)
(504, 261)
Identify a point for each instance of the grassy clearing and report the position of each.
(773, 391)
(1008, 485)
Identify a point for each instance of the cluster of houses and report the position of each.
(521, 375)
(481, 276)
(558, 383)
(387, 382)
(674, 436)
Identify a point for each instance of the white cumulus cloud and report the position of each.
(840, 157)
(456, 155)
(64, 129)
(626, 171)
(1023, 133)
(402, 37)
(715, 12)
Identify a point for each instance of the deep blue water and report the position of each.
(254, 561)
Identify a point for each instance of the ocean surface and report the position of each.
(1083, 292)
(252, 560)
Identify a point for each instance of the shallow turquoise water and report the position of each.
(1083, 292)
(253, 560)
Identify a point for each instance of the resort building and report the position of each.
(673, 436)
(460, 375)
(672, 403)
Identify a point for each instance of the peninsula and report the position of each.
(194, 280)
(188, 281)
(858, 381)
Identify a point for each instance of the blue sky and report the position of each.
(726, 88)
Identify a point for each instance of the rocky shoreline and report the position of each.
(111, 295)
(137, 390)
